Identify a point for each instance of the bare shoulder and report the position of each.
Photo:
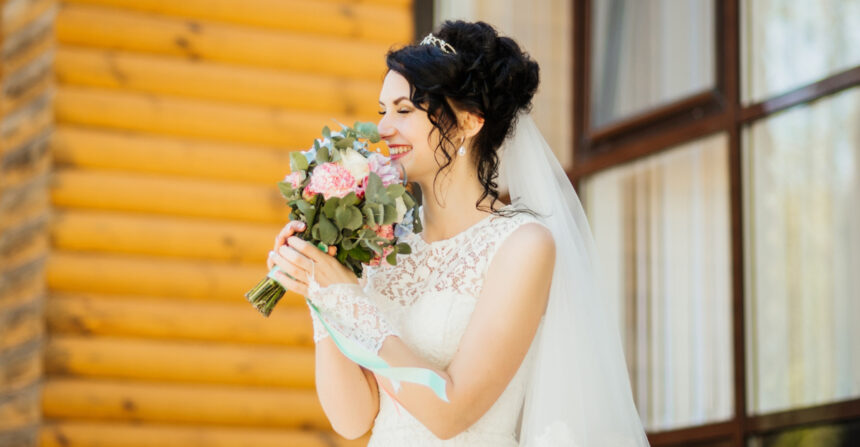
(530, 246)
(530, 239)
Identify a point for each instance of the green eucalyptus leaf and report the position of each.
(341, 216)
(368, 213)
(304, 207)
(323, 155)
(373, 246)
(404, 248)
(392, 258)
(349, 199)
(298, 162)
(374, 189)
(390, 214)
(394, 191)
(347, 244)
(378, 212)
(341, 256)
(355, 218)
(330, 207)
(408, 200)
(286, 189)
(315, 232)
(360, 253)
(326, 132)
(368, 130)
(328, 232)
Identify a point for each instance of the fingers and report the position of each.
(289, 283)
(297, 273)
(307, 249)
(293, 256)
(289, 229)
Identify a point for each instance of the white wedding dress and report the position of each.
(429, 297)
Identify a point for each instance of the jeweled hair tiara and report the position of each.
(438, 43)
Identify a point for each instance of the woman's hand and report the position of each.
(300, 259)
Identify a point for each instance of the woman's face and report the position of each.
(406, 129)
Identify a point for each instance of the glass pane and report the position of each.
(647, 53)
(802, 209)
(790, 43)
(831, 435)
(661, 228)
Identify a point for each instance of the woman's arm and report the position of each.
(500, 331)
(347, 392)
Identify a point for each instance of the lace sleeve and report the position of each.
(347, 308)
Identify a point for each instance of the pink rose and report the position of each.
(331, 180)
(295, 178)
(385, 231)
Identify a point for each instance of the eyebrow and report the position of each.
(395, 101)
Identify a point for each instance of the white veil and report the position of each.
(579, 390)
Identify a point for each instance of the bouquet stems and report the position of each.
(266, 294)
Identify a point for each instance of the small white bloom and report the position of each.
(355, 163)
(400, 205)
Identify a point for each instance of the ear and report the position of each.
(470, 124)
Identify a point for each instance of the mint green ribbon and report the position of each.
(373, 362)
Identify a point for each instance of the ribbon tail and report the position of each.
(373, 362)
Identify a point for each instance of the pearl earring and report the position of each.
(462, 151)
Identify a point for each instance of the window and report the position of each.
(721, 174)
(661, 227)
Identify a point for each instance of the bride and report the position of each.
(499, 300)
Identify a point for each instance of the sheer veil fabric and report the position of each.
(579, 390)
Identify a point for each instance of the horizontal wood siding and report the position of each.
(174, 122)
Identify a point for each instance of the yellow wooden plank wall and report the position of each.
(174, 121)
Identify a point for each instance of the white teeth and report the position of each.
(399, 150)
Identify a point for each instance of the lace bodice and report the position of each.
(429, 297)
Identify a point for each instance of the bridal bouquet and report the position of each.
(348, 197)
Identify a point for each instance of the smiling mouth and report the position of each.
(398, 151)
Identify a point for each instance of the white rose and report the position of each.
(355, 163)
(400, 205)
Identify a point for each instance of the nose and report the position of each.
(386, 130)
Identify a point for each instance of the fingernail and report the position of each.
(271, 253)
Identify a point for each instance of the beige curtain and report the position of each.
(802, 192)
(789, 43)
(544, 29)
(649, 53)
(661, 228)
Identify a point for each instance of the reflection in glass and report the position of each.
(802, 209)
(661, 228)
(788, 43)
(648, 53)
